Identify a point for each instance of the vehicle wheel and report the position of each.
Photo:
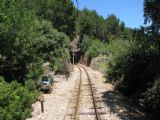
(50, 91)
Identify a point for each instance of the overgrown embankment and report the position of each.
(99, 63)
(31, 33)
(16, 99)
(134, 67)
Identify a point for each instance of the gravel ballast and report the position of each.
(59, 103)
(56, 103)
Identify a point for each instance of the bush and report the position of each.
(152, 100)
(134, 67)
(92, 47)
(16, 100)
(117, 56)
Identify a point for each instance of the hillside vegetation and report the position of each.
(31, 33)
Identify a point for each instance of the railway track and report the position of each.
(84, 105)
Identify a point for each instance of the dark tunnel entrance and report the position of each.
(75, 56)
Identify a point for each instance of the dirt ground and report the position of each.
(115, 103)
(56, 104)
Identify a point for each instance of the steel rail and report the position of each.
(72, 98)
(78, 95)
(92, 92)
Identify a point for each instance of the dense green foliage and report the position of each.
(152, 14)
(16, 102)
(90, 23)
(92, 47)
(152, 100)
(134, 64)
(131, 65)
(95, 32)
(27, 42)
(61, 13)
(30, 37)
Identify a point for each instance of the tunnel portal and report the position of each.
(76, 56)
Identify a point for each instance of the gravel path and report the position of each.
(56, 103)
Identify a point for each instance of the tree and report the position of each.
(112, 25)
(27, 42)
(90, 23)
(17, 25)
(152, 14)
(61, 14)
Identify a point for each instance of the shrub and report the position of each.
(152, 100)
(133, 66)
(92, 47)
(117, 57)
(15, 100)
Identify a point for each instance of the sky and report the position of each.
(128, 11)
